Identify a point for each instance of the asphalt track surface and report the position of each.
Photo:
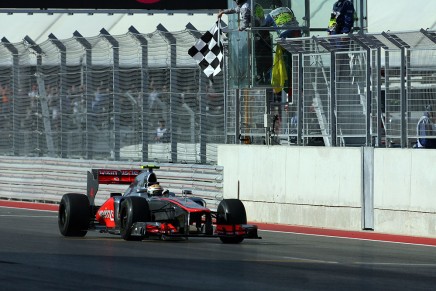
(34, 256)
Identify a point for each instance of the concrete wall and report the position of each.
(314, 186)
(405, 191)
(47, 179)
(323, 187)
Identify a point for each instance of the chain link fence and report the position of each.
(106, 97)
(141, 97)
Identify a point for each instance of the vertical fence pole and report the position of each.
(16, 95)
(368, 92)
(379, 99)
(202, 104)
(87, 80)
(174, 102)
(332, 49)
(45, 115)
(368, 188)
(62, 95)
(394, 39)
(333, 107)
(43, 99)
(115, 93)
(144, 85)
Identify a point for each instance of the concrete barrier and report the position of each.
(391, 190)
(405, 191)
(327, 187)
(47, 179)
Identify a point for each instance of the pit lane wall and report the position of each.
(387, 190)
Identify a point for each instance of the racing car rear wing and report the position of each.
(107, 176)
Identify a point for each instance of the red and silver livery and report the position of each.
(137, 215)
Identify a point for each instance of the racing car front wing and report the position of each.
(157, 229)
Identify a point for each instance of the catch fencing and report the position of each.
(101, 98)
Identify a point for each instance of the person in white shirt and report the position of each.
(161, 132)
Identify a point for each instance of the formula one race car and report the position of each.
(146, 211)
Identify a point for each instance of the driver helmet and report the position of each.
(154, 190)
(240, 2)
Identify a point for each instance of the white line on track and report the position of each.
(351, 238)
(41, 210)
(311, 260)
(26, 216)
(286, 259)
(396, 264)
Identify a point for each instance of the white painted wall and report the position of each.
(405, 191)
(405, 179)
(311, 186)
(300, 175)
(322, 187)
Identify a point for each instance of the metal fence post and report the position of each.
(368, 188)
(395, 40)
(89, 96)
(202, 104)
(144, 85)
(300, 100)
(62, 94)
(43, 99)
(367, 88)
(174, 102)
(333, 109)
(115, 92)
(15, 93)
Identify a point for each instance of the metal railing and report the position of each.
(365, 89)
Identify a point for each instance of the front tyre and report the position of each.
(231, 212)
(133, 209)
(74, 215)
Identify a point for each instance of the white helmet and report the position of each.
(154, 190)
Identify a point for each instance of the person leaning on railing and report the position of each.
(341, 18)
(244, 10)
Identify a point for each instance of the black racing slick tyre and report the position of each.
(133, 209)
(231, 212)
(74, 215)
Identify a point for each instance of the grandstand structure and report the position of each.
(101, 97)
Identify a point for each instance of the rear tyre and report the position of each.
(74, 215)
(231, 212)
(133, 209)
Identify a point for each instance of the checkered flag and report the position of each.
(208, 51)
